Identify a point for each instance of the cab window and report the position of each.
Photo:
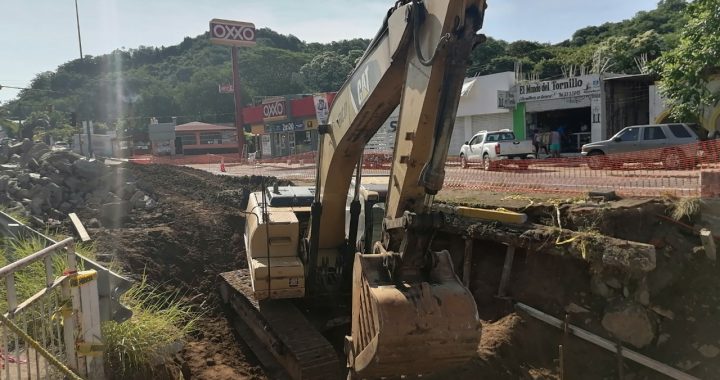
(629, 134)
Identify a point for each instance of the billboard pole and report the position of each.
(234, 34)
(238, 103)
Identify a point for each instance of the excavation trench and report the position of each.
(195, 232)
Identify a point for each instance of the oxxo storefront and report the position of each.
(285, 125)
(572, 106)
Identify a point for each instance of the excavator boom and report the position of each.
(411, 314)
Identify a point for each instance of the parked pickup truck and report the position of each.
(492, 149)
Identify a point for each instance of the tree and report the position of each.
(687, 69)
(326, 72)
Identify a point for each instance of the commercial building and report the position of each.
(479, 110)
(203, 138)
(284, 125)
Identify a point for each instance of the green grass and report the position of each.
(140, 345)
(134, 348)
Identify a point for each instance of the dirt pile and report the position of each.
(193, 233)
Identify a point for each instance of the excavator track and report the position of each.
(281, 329)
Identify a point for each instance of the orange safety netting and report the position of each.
(688, 170)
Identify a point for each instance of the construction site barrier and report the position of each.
(686, 171)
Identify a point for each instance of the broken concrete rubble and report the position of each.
(44, 185)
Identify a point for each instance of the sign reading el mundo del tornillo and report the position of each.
(559, 88)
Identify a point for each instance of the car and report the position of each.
(493, 148)
(676, 145)
(60, 146)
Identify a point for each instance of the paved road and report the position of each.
(539, 177)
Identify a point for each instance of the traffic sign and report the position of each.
(232, 33)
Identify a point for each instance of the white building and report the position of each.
(478, 109)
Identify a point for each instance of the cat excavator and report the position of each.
(400, 306)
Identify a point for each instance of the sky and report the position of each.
(40, 35)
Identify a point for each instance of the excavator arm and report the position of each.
(411, 314)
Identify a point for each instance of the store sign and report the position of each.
(322, 109)
(233, 33)
(557, 89)
(226, 88)
(266, 145)
(284, 127)
(505, 99)
(274, 109)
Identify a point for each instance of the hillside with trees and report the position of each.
(123, 89)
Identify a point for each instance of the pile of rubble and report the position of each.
(44, 186)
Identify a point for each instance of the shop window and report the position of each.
(188, 139)
(229, 137)
(679, 131)
(210, 138)
(653, 133)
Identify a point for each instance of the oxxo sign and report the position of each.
(274, 109)
(233, 33)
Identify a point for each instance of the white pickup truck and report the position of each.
(494, 149)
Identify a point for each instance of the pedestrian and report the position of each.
(535, 136)
(555, 141)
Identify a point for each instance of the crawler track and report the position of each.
(281, 329)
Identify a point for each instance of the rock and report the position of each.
(138, 199)
(599, 288)
(614, 283)
(72, 183)
(4, 182)
(93, 223)
(114, 213)
(56, 194)
(210, 362)
(88, 169)
(709, 351)
(663, 338)
(643, 297)
(663, 312)
(687, 365)
(699, 251)
(576, 309)
(149, 203)
(65, 207)
(23, 180)
(629, 322)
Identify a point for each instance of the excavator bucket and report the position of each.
(409, 328)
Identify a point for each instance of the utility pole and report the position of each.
(77, 18)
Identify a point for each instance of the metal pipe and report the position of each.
(608, 345)
(25, 261)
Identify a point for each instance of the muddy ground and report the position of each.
(195, 232)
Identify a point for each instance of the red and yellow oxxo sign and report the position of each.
(274, 109)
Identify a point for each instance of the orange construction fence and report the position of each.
(688, 170)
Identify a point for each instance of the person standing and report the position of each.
(555, 141)
(535, 137)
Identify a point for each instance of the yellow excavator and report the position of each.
(401, 307)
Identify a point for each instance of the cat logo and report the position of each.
(363, 86)
(363, 83)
